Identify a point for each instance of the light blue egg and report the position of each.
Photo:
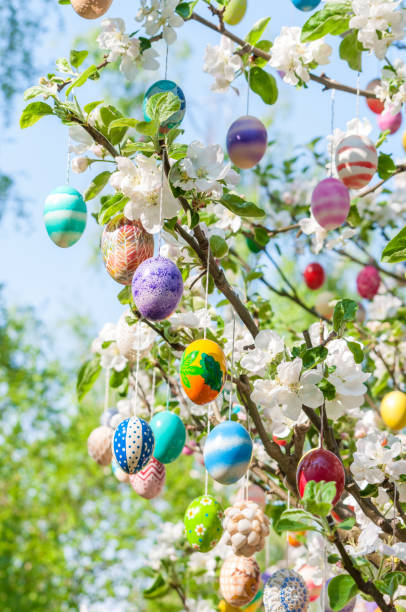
(65, 216)
(166, 86)
(227, 452)
(133, 444)
(170, 436)
(306, 5)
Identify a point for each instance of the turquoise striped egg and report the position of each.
(227, 452)
(65, 216)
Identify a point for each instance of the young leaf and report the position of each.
(313, 356)
(159, 588)
(263, 84)
(351, 51)
(124, 122)
(297, 520)
(114, 205)
(33, 113)
(332, 19)
(78, 57)
(124, 297)
(328, 390)
(255, 34)
(87, 376)
(341, 590)
(344, 311)
(82, 78)
(395, 250)
(160, 107)
(318, 497)
(97, 185)
(241, 207)
(386, 166)
(347, 524)
(356, 350)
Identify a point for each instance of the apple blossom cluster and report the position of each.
(160, 16)
(222, 63)
(295, 58)
(380, 456)
(392, 89)
(379, 24)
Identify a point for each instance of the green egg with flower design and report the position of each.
(203, 523)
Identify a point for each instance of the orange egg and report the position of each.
(203, 371)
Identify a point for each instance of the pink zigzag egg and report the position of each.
(356, 161)
(149, 482)
(330, 203)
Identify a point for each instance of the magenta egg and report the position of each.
(157, 288)
(368, 281)
(330, 203)
(247, 140)
(387, 121)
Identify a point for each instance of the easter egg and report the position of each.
(296, 539)
(235, 11)
(227, 452)
(119, 473)
(245, 528)
(320, 464)
(247, 140)
(323, 304)
(170, 436)
(166, 86)
(368, 281)
(404, 140)
(254, 493)
(387, 121)
(308, 572)
(393, 410)
(356, 161)
(330, 203)
(349, 607)
(286, 591)
(157, 288)
(375, 105)
(203, 523)
(91, 9)
(226, 607)
(314, 275)
(124, 245)
(110, 418)
(65, 216)
(99, 445)
(306, 5)
(203, 371)
(133, 444)
(150, 481)
(239, 580)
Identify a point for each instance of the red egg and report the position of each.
(320, 464)
(368, 281)
(279, 441)
(314, 275)
(376, 106)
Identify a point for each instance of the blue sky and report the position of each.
(61, 281)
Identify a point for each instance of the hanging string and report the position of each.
(322, 418)
(68, 160)
(287, 537)
(106, 390)
(323, 577)
(168, 395)
(247, 475)
(206, 479)
(230, 405)
(137, 367)
(161, 194)
(206, 297)
(248, 91)
(333, 97)
(166, 61)
(357, 102)
(394, 522)
(152, 400)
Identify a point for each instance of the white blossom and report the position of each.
(375, 457)
(79, 164)
(222, 63)
(268, 344)
(225, 219)
(160, 15)
(383, 306)
(310, 226)
(379, 23)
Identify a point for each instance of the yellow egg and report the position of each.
(226, 607)
(393, 410)
(91, 9)
(404, 140)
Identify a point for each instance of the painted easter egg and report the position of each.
(124, 245)
(247, 140)
(166, 86)
(356, 161)
(150, 481)
(65, 216)
(320, 464)
(170, 436)
(254, 493)
(118, 472)
(314, 275)
(387, 121)
(286, 591)
(393, 410)
(133, 444)
(226, 607)
(306, 5)
(235, 11)
(203, 523)
(227, 452)
(330, 203)
(239, 580)
(368, 281)
(99, 445)
(91, 9)
(404, 141)
(308, 574)
(349, 607)
(203, 371)
(110, 418)
(375, 105)
(157, 288)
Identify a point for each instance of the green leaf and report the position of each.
(391, 582)
(82, 78)
(125, 295)
(386, 166)
(91, 106)
(351, 51)
(261, 236)
(354, 218)
(356, 350)
(263, 84)
(124, 122)
(344, 311)
(111, 207)
(87, 376)
(341, 589)
(395, 250)
(380, 385)
(297, 520)
(185, 9)
(241, 207)
(33, 92)
(159, 588)
(318, 497)
(348, 524)
(370, 490)
(33, 113)
(218, 246)
(162, 106)
(118, 378)
(78, 57)
(257, 30)
(264, 45)
(97, 185)
(313, 356)
(148, 128)
(332, 19)
(328, 390)
(63, 65)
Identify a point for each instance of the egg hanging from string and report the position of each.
(203, 525)
(91, 9)
(387, 121)
(65, 216)
(330, 203)
(306, 5)
(374, 104)
(99, 445)
(247, 140)
(124, 245)
(356, 161)
(285, 591)
(393, 410)
(320, 464)
(133, 444)
(245, 528)
(203, 371)
(235, 11)
(368, 282)
(119, 473)
(150, 481)
(157, 288)
(170, 436)
(314, 276)
(166, 86)
(227, 452)
(239, 580)
(309, 573)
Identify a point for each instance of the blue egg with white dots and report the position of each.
(306, 5)
(227, 452)
(166, 86)
(65, 216)
(133, 444)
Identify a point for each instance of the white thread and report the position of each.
(161, 198)
(168, 394)
(324, 575)
(106, 390)
(152, 401)
(166, 61)
(287, 537)
(68, 161)
(137, 367)
(206, 297)
(232, 370)
(248, 91)
(333, 97)
(357, 102)
(206, 479)
(394, 522)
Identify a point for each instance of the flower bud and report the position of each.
(79, 164)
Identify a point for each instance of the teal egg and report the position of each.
(65, 216)
(170, 436)
(166, 86)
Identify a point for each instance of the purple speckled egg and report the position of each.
(330, 203)
(157, 288)
(247, 140)
(387, 121)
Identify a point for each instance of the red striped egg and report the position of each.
(330, 203)
(150, 481)
(356, 161)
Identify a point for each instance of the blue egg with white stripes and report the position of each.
(133, 444)
(65, 216)
(227, 452)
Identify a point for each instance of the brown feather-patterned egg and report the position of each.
(239, 580)
(91, 9)
(99, 445)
